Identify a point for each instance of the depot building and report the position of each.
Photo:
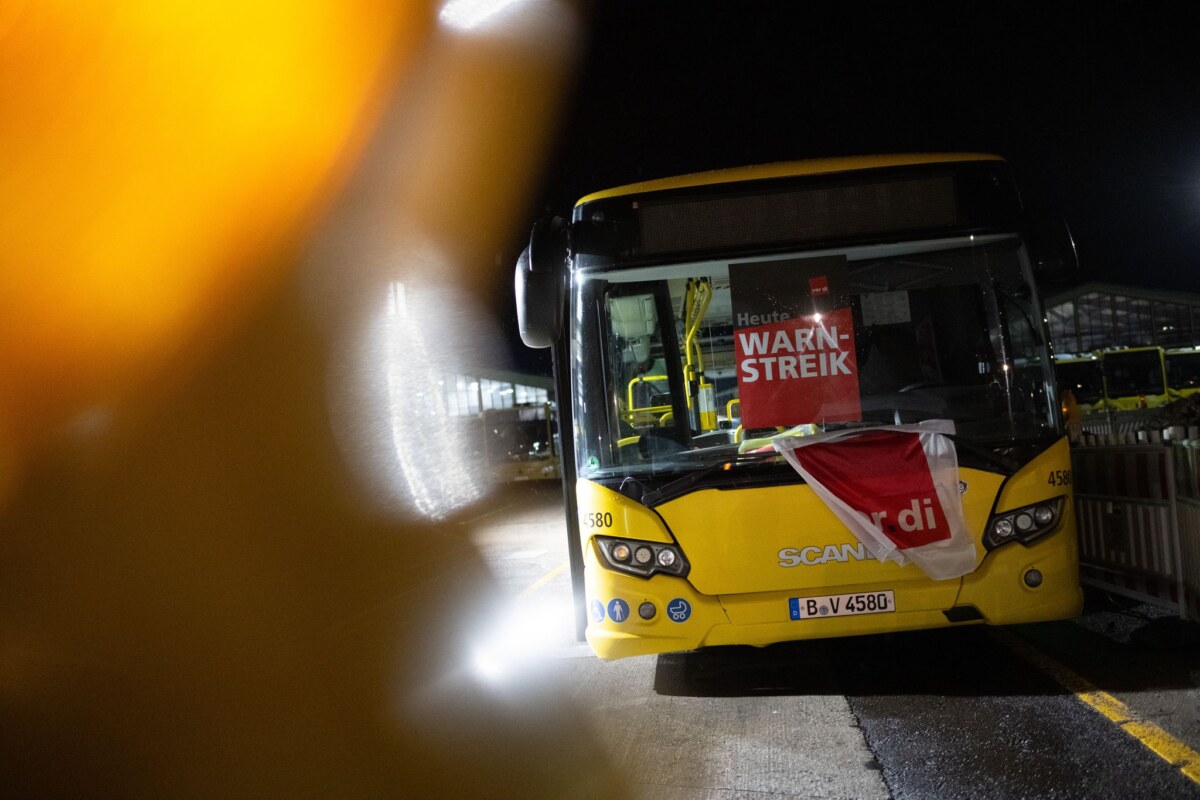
(1096, 316)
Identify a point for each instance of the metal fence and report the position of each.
(1187, 499)
(1137, 504)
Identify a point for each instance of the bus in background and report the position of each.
(1183, 370)
(519, 443)
(891, 456)
(1080, 382)
(1134, 377)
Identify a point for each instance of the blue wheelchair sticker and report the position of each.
(678, 610)
(597, 609)
(618, 610)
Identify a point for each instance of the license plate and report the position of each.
(842, 605)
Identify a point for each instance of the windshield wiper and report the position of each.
(985, 454)
(682, 485)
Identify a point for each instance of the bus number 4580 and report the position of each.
(1060, 477)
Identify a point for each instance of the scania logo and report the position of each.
(811, 556)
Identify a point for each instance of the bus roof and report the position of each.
(785, 169)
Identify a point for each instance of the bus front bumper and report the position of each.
(631, 616)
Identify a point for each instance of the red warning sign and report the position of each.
(798, 370)
(794, 343)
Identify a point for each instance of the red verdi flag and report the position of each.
(896, 488)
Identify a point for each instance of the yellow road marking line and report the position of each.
(542, 581)
(1161, 743)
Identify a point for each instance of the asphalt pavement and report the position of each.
(953, 713)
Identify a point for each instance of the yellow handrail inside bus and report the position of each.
(640, 379)
(739, 431)
(695, 302)
(697, 296)
(634, 412)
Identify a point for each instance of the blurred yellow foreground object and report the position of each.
(221, 226)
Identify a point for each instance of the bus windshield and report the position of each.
(681, 365)
(1130, 373)
(1183, 370)
(1084, 378)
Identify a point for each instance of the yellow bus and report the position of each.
(1134, 377)
(1183, 370)
(1081, 379)
(519, 443)
(805, 400)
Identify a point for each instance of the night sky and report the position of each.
(1096, 106)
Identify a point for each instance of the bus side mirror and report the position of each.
(540, 283)
(1052, 247)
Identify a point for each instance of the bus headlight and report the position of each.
(1023, 524)
(641, 558)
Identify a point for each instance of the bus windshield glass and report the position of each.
(1183, 370)
(1083, 378)
(1132, 373)
(681, 366)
